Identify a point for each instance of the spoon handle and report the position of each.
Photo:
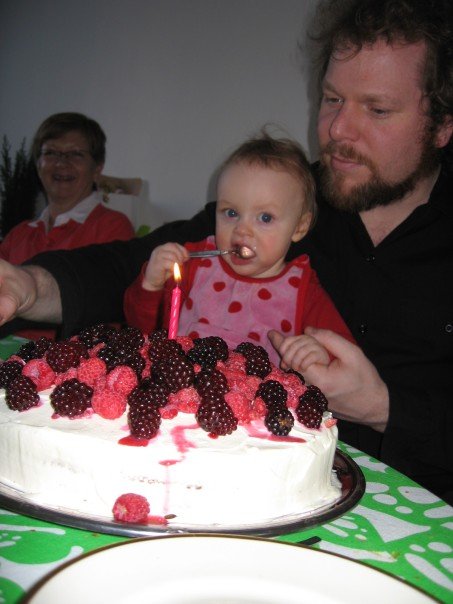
(208, 253)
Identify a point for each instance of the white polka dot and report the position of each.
(360, 537)
(418, 495)
(402, 509)
(417, 548)
(376, 487)
(444, 548)
(447, 563)
(386, 499)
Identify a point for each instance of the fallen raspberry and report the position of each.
(236, 362)
(90, 370)
(122, 378)
(131, 507)
(109, 404)
(40, 372)
(186, 400)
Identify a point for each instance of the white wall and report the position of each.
(176, 84)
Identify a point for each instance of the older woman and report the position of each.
(69, 151)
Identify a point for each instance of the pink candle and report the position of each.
(175, 305)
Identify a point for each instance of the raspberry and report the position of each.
(186, 400)
(40, 372)
(216, 418)
(315, 397)
(240, 406)
(71, 398)
(185, 342)
(108, 404)
(63, 355)
(272, 393)
(64, 377)
(9, 371)
(131, 507)
(279, 420)
(21, 394)
(122, 378)
(309, 414)
(90, 370)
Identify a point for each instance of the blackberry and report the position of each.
(144, 422)
(34, 349)
(137, 363)
(272, 393)
(308, 414)
(63, 355)
(207, 351)
(203, 355)
(279, 420)
(256, 359)
(176, 372)
(9, 370)
(211, 381)
(161, 349)
(128, 337)
(91, 336)
(216, 418)
(21, 394)
(71, 398)
(148, 394)
(314, 396)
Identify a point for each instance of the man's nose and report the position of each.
(345, 124)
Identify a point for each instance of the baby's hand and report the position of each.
(160, 265)
(299, 352)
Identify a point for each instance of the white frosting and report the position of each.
(248, 477)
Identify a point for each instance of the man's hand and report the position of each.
(28, 292)
(350, 382)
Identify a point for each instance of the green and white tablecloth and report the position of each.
(397, 527)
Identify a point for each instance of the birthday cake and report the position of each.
(203, 434)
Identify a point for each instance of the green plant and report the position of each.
(19, 187)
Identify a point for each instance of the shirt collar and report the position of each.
(78, 213)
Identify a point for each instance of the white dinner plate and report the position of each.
(218, 569)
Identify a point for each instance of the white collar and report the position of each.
(79, 212)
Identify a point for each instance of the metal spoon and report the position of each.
(243, 252)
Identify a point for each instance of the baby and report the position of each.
(265, 201)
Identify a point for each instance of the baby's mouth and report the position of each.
(244, 251)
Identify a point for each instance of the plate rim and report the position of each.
(41, 583)
(345, 466)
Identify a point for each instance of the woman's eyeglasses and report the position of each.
(73, 157)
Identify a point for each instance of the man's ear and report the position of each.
(303, 226)
(444, 132)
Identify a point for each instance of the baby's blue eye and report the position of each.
(230, 213)
(264, 217)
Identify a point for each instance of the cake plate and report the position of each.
(347, 471)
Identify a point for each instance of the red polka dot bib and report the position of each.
(237, 308)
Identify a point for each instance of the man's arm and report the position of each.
(86, 285)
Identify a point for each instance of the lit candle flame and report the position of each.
(176, 272)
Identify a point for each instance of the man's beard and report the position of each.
(377, 191)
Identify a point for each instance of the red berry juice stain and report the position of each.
(132, 441)
(181, 442)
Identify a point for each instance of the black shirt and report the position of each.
(397, 299)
